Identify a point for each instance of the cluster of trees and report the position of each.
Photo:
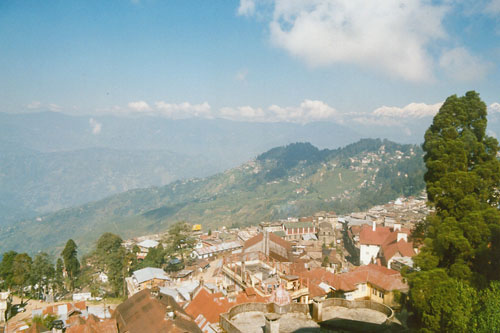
(19, 270)
(457, 288)
(174, 256)
(109, 256)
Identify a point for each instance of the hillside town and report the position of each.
(316, 272)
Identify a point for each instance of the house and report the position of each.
(4, 299)
(152, 311)
(206, 307)
(326, 233)
(93, 324)
(146, 278)
(384, 243)
(205, 252)
(147, 244)
(271, 245)
(373, 282)
(296, 230)
(67, 313)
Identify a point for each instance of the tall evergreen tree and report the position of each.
(462, 238)
(58, 277)
(111, 258)
(6, 268)
(21, 270)
(42, 272)
(71, 263)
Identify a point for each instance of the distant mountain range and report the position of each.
(293, 180)
(50, 161)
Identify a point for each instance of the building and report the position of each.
(296, 230)
(206, 307)
(369, 282)
(271, 245)
(146, 278)
(147, 244)
(384, 243)
(4, 300)
(326, 233)
(205, 252)
(263, 274)
(152, 311)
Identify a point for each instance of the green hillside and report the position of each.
(295, 180)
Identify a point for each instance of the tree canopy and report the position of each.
(71, 263)
(461, 239)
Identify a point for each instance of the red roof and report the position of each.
(210, 306)
(379, 276)
(94, 325)
(391, 247)
(369, 237)
(272, 238)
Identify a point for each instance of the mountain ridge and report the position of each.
(343, 179)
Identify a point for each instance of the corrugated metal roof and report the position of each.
(148, 243)
(218, 248)
(150, 273)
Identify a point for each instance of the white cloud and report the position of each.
(391, 36)
(139, 106)
(246, 8)
(54, 107)
(243, 113)
(183, 110)
(34, 105)
(493, 7)
(241, 75)
(494, 108)
(390, 116)
(95, 125)
(460, 65)
(307, 111)
(412, 110)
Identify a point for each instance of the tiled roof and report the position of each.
(280, 241)
(206, 307)
(94, 325)
(381, 277)
(145, 313)
(272, 238)
(369, 237)
(254, 240)
(392, 247)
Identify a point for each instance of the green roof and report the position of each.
(291, 225)
(280, 233)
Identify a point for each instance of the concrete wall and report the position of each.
(367, 252)
(367, 304)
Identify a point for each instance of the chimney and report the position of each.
(272, 323)
(266, 243)
(170, 313)
(374, 225)
(402, 235)
(397, 226)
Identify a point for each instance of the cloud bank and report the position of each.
(393, 37)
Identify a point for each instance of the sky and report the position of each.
(361, 63)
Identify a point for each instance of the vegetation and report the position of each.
(71, 263)
(295, 180)
(461, 253)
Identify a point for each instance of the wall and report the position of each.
(367, 252)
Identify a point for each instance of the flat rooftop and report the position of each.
(255, 321)
(360, 314)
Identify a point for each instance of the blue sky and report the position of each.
(384, 63)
